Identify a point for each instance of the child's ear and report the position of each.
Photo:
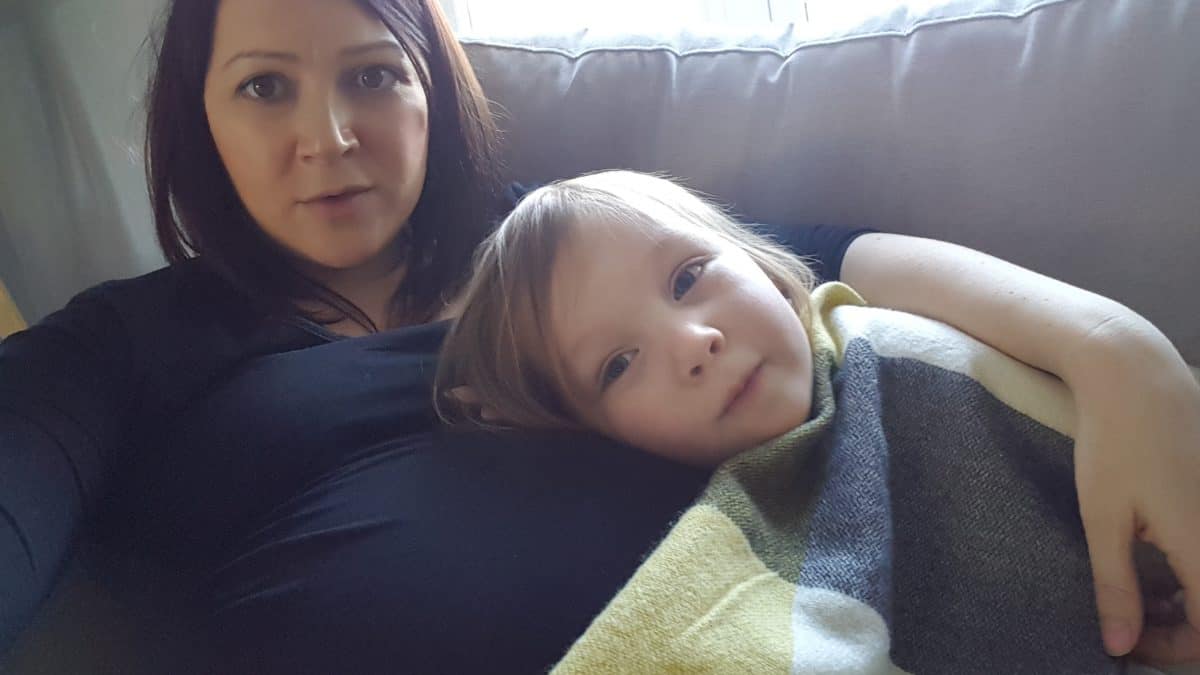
(466, 397)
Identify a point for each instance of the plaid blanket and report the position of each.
(924, 520)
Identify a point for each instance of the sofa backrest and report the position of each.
(1063, 135)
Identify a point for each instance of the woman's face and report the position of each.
(322, 125)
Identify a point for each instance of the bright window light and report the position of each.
(652, 15)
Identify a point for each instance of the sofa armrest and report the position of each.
(10, 318)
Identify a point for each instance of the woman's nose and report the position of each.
(324, 129)
(695, 349)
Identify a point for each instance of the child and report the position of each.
(622, 303)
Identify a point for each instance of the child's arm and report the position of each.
(1138, 437)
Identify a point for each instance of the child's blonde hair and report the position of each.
(500, 346)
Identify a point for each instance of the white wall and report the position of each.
(73, 205)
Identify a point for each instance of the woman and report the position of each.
(321, 170)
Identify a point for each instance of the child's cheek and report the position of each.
(642, 424)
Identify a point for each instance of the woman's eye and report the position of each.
(376, 78)
(616, 367)
(264, 87)
(686, 278)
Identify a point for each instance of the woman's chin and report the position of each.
(339, 258)
(340, 263)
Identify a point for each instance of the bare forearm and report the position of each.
(1044, 322)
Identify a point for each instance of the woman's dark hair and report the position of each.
(197, 212)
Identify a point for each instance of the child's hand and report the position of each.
(1137, 465)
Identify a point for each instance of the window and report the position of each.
(567, 15)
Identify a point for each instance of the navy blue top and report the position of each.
(301, 481)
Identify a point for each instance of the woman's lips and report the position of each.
(744, 391)
(339, 205)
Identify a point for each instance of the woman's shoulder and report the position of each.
(186, 298)
(171, 322)
(122, 307)
(190, 281)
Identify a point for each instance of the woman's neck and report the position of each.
(374, 294)
(370, 287)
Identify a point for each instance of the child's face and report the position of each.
(676, 342)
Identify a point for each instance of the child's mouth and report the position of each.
(743, 391)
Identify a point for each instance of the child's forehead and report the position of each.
(607, 268)
(638, 230)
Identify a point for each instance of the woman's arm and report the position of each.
(1138, 436)
(64, 390)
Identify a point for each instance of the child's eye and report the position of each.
(686, 278)
(615, 368)
(267, 88)
(376, 78)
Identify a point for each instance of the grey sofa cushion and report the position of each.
(1060, 134)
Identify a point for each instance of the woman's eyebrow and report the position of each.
(290, 57)
(372, 46)
(261, 54)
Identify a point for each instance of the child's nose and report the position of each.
(698, 346)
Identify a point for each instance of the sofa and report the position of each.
(10, 317)
(1058, 134)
